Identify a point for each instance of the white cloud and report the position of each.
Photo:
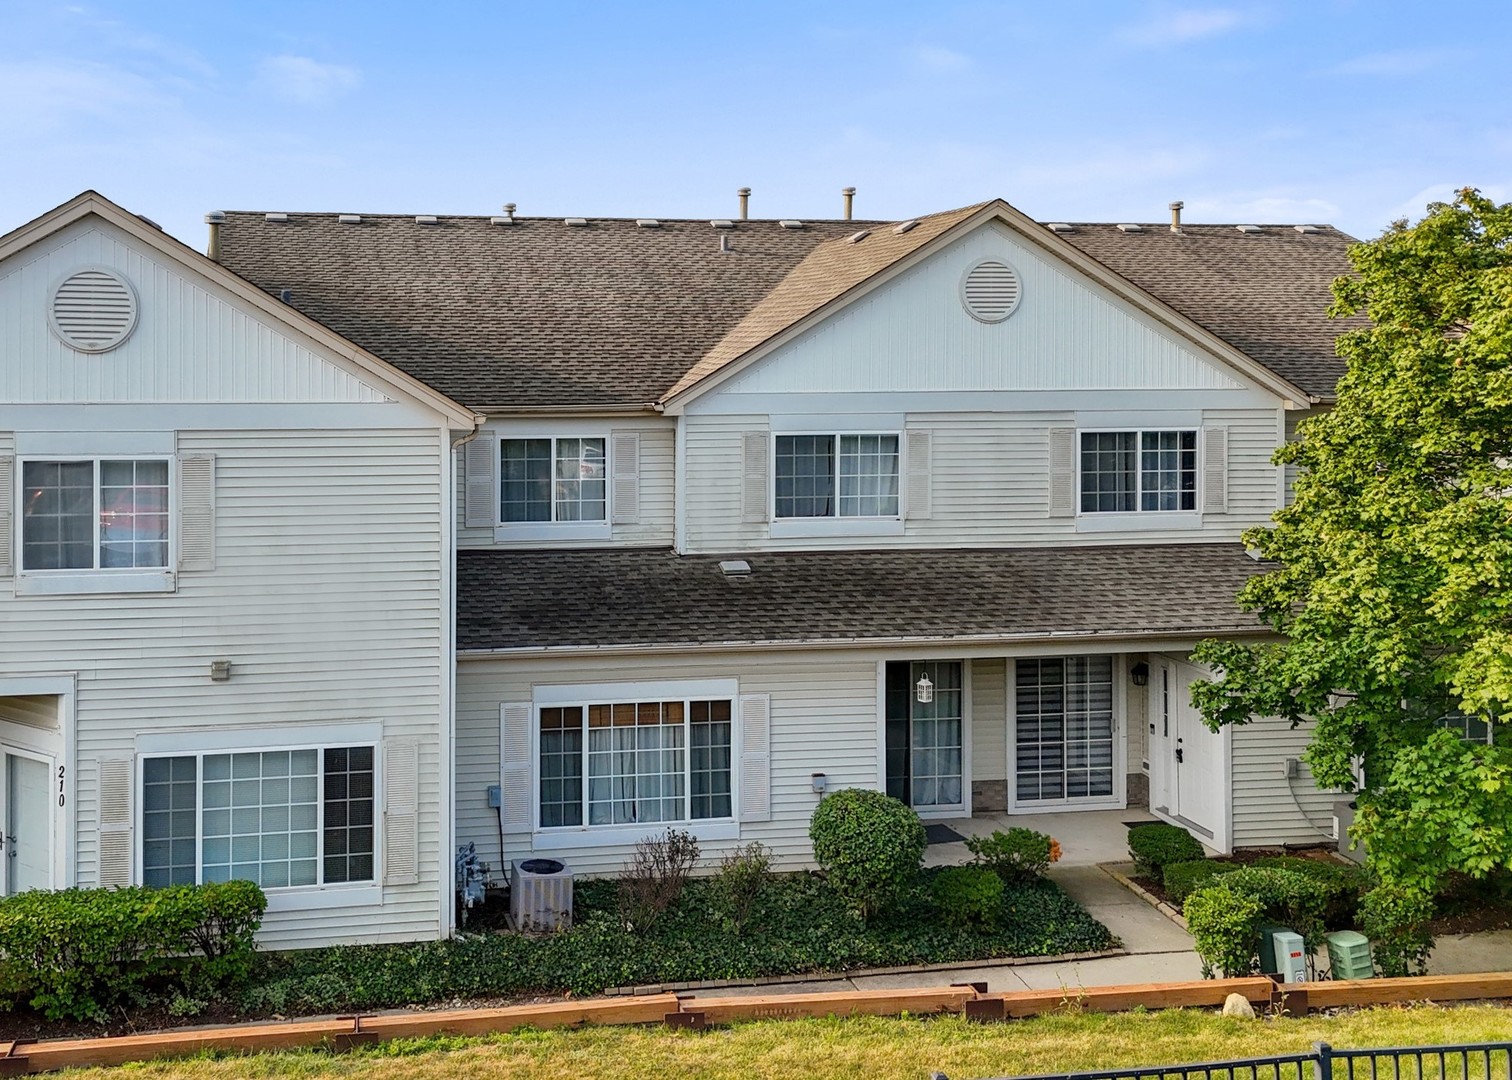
(1181, 26)
(1397, 62)
(303, 81)
(939, 58)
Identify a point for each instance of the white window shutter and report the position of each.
(7, 523)
(480, 492)
(624, 459)
(756, 757)
(920, 451)
(515, 765)
(401, 812)
(114, 779)
(1062, 472)
(753, 476)
(1215, 470)
(196, 506)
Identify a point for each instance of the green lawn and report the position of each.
(865, 1049)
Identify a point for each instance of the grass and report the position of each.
(863, 1048)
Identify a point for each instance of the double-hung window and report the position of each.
(635, 762)
(94, 514)
(279, 818)
(829, 476)
(1129, 471)
(549, 480)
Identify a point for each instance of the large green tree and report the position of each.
(1392, 593)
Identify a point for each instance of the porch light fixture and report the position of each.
(1140, 673)
(924, 690)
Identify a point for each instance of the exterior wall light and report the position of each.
(924, 690)
(820, 782)
(1140, 673)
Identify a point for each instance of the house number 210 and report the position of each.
(62, 771)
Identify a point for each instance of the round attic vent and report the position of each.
(990, 290)
(93, 310)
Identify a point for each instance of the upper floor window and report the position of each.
(94, 514)
(820, 476)
(1124, 471)
(552, 480)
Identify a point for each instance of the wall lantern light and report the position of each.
(1140, 673)
(924, 690)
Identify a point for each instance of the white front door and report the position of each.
(26, 821)
(1188, 763)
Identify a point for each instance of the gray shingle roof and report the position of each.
(609, 313)
(640, 596)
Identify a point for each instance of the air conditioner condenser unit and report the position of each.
(540, 895)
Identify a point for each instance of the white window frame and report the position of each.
(835, 524)
(95, 579)
(1113, 520)
(1118, 800)
(568, 837)
(280, 898)
(505, 531)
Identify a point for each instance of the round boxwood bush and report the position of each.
(1156, 845)
(1181, 879)
(967, 896)
(869, 846)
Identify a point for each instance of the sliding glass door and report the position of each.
(1064, 730)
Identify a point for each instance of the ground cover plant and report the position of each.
(863, 1048)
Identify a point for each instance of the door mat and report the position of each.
(942, 834)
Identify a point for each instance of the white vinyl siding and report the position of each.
(990, 485)
(1265, 811)
(652, 521)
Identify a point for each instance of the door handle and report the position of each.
(1178, 755)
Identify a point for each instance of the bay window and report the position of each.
(1129, 471)
(819, 476)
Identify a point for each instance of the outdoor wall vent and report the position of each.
(1130, 227)
(789, 223)
(1249, 228)
(648, 222)
(1060, 226)
(93, 310)
(990, 291)
(734, 567)
(1307, 230)
(426, 219)
(904, 226)
(577, 222)
(279, 218)
(856, 238)
(349, 219)
(722, 223)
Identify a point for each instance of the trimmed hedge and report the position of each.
(72, 954)
(869, 846)
(796, 924)
(1181, 879)
(1225, 916)
(964, 895)
(1396, 922)
(1156, 845)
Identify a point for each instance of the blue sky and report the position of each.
(1343, 111)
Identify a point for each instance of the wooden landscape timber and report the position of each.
(971, 1000)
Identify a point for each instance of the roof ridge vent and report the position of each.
(722, 223)
(789, 223)
(904, 226)
(1307, 230)
(1249, 229)
(426, 219)
(648, 222)
(856, 238)
(734, 567)
(1128, 227)
(349, 219)
(1063, 226)
(276, 218)
(576, 222)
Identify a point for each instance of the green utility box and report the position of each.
(1349, 955)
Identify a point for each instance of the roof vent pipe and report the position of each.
(849, 195)
(214, 219)
(1176, 215)
(509, 209)
(745, 203)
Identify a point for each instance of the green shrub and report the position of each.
(1181, 879)
(655, 876)
(869, 846)
(1015, 854)
(74, 953)
(743, 874)
(1396, 922)
(1290, 899)
(1340, 884)
(1225, 927)
(1156, 845)
(967, 895)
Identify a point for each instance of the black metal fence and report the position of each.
(1475, 1061)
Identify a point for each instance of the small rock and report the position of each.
(1238, 1005)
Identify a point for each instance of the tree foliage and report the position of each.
(1392, 591)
